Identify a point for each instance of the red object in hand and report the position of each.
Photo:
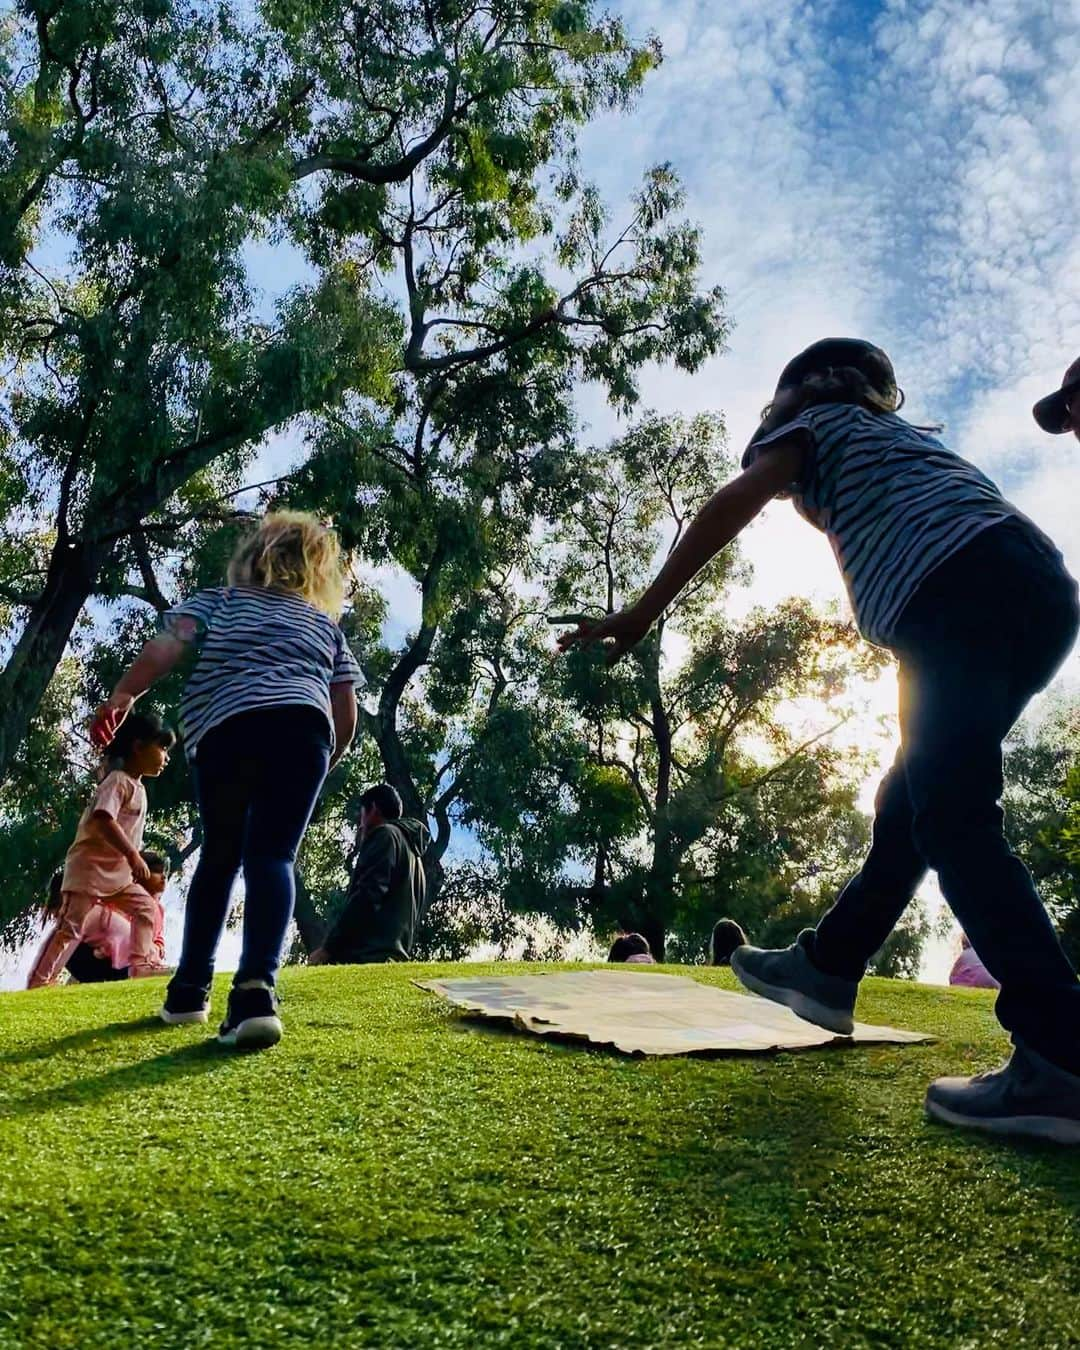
(104, 724)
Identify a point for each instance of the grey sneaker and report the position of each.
(1028, 1096)
(788, 976)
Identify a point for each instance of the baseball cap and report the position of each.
(829, 353)
(1050, 412)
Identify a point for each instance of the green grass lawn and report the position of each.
(390, 1175)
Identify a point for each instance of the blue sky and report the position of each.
(905, 172)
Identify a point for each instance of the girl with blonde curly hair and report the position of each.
(268, 708)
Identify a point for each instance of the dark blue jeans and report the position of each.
(257, 777)
(982, 634)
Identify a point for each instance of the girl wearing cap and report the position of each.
(976, 604)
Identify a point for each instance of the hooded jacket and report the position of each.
(386, 896)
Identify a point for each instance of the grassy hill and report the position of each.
(392, 1176)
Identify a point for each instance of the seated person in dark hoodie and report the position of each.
(387, 890)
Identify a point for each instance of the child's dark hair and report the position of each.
(627, 945)
(157, 862)
(145, 727)
(726, 936)
(56, 892)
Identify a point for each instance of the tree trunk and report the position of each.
(73, 572)
(309, 924)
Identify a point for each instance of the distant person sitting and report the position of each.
(631, 949)
(969, 970)
(726, 936)
(387, 890)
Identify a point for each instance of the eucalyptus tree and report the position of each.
(410, 165)
(691, 720)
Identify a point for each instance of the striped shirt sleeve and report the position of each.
(346, 669)
(800, 430)
(190, 620)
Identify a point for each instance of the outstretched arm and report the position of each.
(156, 659)
(726, 512)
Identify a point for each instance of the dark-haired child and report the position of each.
(631, 949)
(727, 937)
(977, 606)
(104, 864)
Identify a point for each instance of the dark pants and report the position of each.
(257, 777)
(982, 634)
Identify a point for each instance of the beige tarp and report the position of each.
(638, 1011)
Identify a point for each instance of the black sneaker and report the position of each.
(251, 1022)
(787, 975)
(1027, 1097)
(185, 1003)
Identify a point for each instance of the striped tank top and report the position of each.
(893, 501)
(256, 649)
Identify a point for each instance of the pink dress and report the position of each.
(109, 933)
(969, 970)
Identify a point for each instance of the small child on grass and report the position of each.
(269, 706)
(105, 865)
(104, 955)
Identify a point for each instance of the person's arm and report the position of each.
(112, 833)
(369, 887)
(156, 659)
(344, 714)
(726, 512)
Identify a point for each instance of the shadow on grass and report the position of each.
(88, 1038)
(187, 1062)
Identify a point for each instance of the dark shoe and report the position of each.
(185, 1003)
(1028, 1097)
(251, 1022)
(788, 976)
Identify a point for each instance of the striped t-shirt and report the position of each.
(893, 501)
(256, 649)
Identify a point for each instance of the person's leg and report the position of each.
(972, 668)
(63, 940)
(961, 712)
(222, 786)
(140, 907)
(281, 806)
(870, 905)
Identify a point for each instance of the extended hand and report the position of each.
(626, 627)
(139, 869)
(107, 719)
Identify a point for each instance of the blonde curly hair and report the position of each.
(292, 551)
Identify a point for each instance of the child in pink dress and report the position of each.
(104, 953)
(104, 864)
(969, 970)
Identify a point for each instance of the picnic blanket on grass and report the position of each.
(639, 1012)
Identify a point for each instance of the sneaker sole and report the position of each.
(175, 1019)
(802, 1005)
(254, 1033)
(1050, 1129)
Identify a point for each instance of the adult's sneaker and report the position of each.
(1027, 1097)
(185, 1003)
(252, 1021)
(787, 975)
